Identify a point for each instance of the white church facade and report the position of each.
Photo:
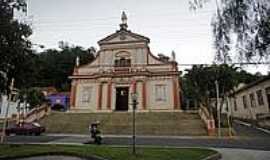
(123, 65)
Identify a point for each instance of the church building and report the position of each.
(125, 65)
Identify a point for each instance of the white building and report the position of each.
(12, 109)
(125, 64)
(251, 100)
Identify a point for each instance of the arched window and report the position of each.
(122, 59)
(122, 62)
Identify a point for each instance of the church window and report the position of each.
(160, 93)
(86, 94)
(122, 62)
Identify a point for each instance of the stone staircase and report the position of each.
(117, 123)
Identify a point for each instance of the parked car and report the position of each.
(25, 129)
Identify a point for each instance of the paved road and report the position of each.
(247, 130)
(251, 138)
(252, 144)
(244, 143)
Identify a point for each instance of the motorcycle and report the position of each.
(95, 133)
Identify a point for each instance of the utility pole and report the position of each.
(134, 98)
(7, 110)
(228, 106)
(134, 104)
(218, 107)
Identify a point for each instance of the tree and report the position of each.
(198, 82)
(54, 66)
(248, 21)
(33, 96)
(15, 48)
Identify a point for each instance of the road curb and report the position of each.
(216, 156)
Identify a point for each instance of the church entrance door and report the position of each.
(121, 99)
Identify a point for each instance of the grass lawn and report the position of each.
(112, 153)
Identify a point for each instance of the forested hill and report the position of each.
(52, 67)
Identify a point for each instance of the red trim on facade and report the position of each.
(143, 95)
(73, 95)
(127, 74)
(109, 94)
(99, 97)
(133, 86)
(134, 65)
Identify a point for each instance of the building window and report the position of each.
(260, 97)
(252, 100)
(235, 103)
(160, 93)
(122, 62)
(244, 101)
(86, 94)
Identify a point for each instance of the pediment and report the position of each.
(123, 36)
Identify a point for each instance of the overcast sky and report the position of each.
(169, 24)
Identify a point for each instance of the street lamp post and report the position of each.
(134, 104)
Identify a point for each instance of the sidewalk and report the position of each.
(242, 154)
(139, 136)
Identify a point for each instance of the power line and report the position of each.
(168, 14)
(235, 63)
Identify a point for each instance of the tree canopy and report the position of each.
(242, 24)
(15, 47)
(199, 81)
(30, 69)
(54, 66)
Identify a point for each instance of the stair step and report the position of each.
(163, 123)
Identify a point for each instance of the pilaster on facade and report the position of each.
(109, 95)
(144, 95)
(99, 104)
(73, 94)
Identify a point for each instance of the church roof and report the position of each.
(123, 32)
(123, 35)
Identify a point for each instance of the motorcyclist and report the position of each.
(95, 133)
